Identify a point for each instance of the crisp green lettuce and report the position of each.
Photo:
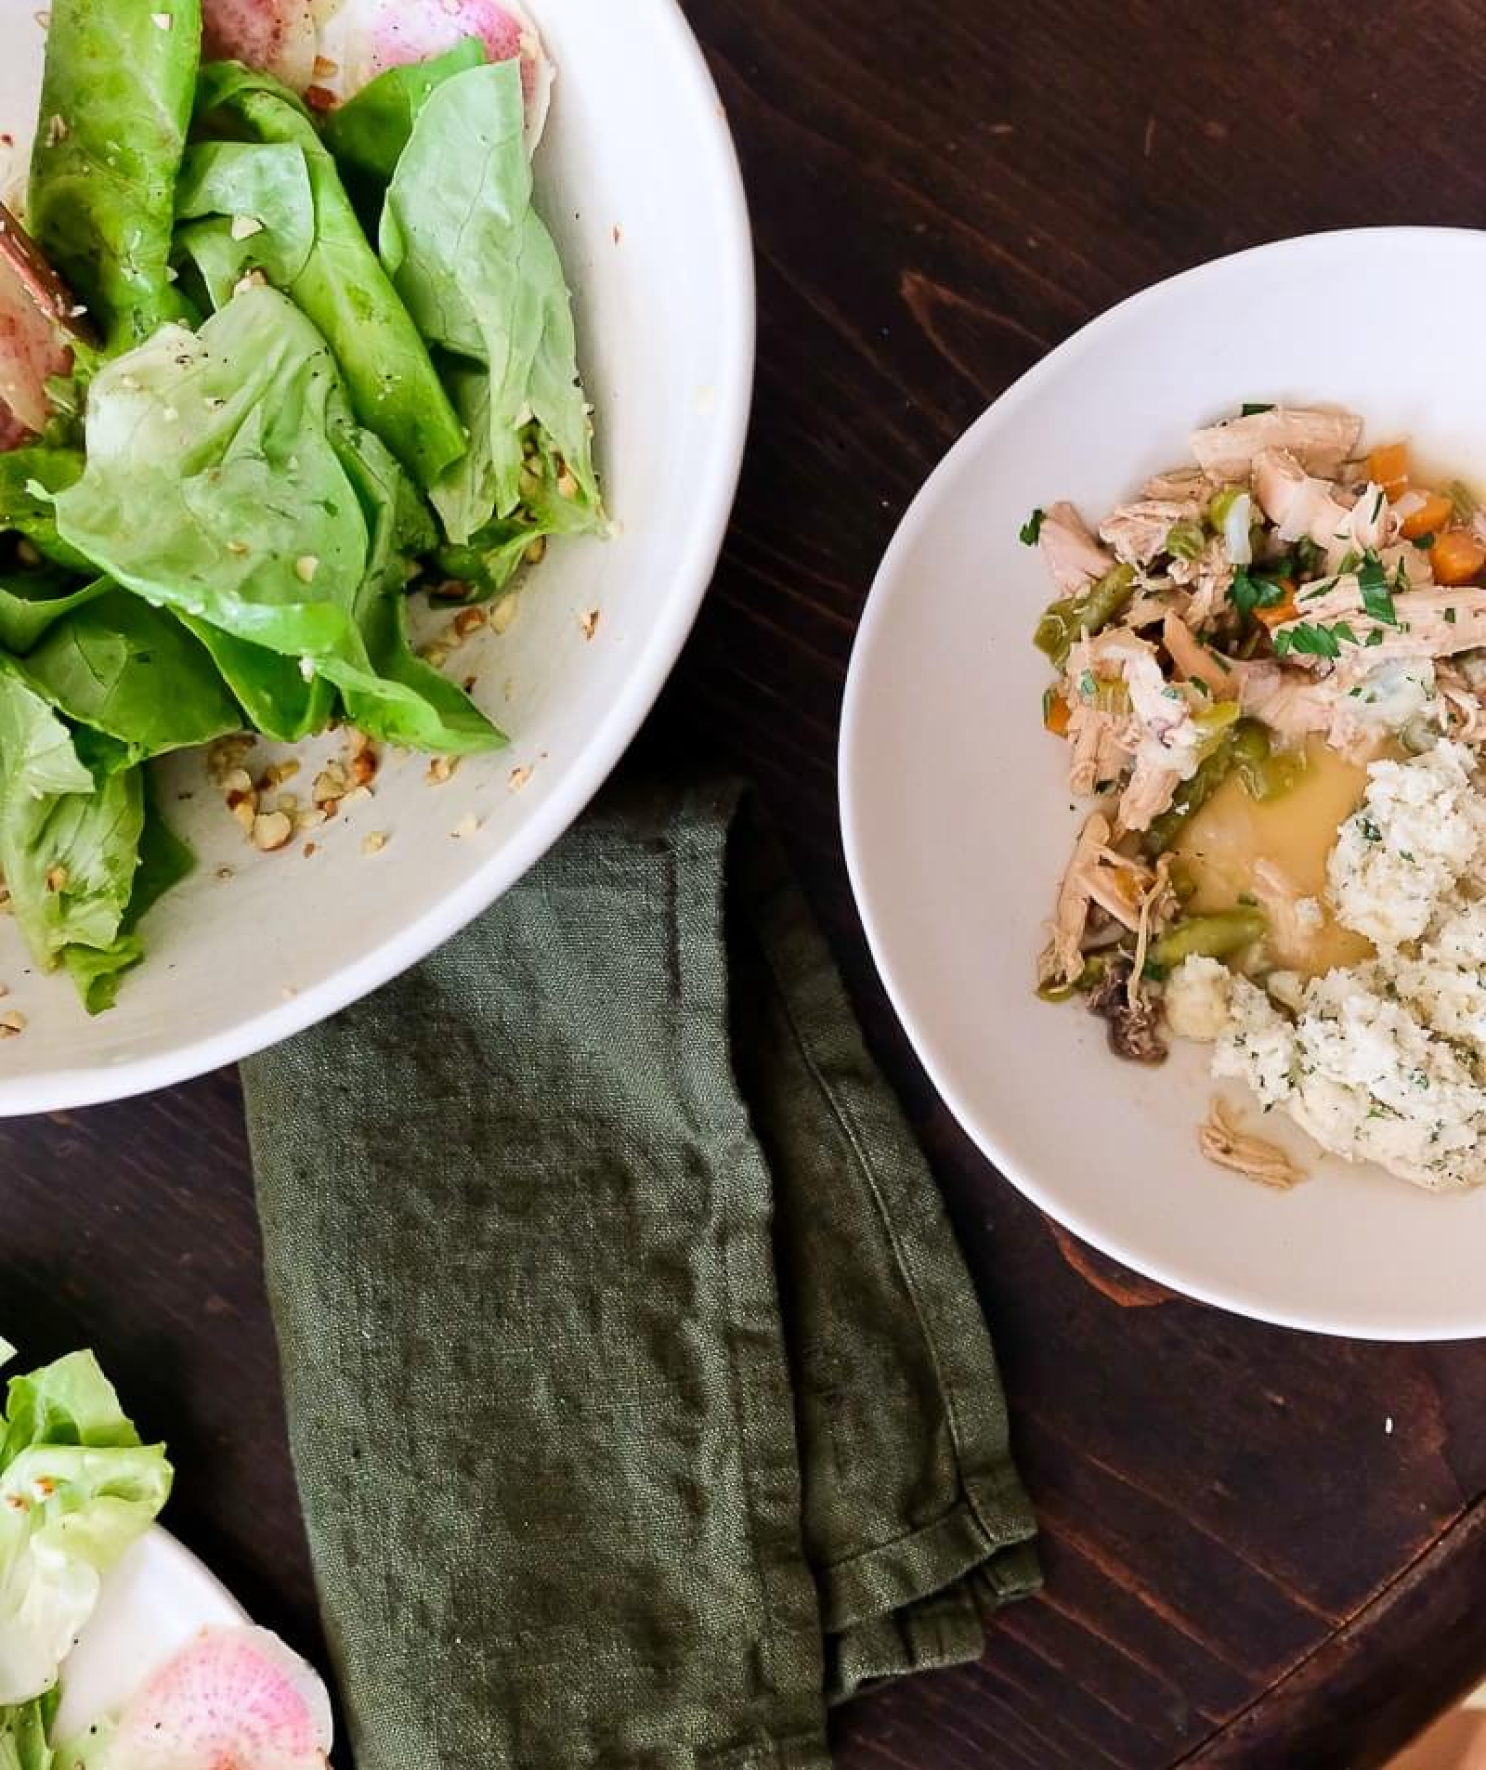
(481, 276)
(31, 603)
(69, 845)
(368, 133)
(77, 1488)
(134, 673)
(340, 286)
(261, 209)
(24, 1734)
(116, 101)
(28, 477)
(239, 442)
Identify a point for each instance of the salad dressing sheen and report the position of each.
(1233, 833)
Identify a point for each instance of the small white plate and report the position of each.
(955, 807)
(153, 1602)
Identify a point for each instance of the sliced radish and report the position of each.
(36, 314)
(363, 38)
(234, 1699)
(275, 36)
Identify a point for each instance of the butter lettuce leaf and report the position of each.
(77, 1488)
(116, 100)
(340, 285)
(481, 276)
(240, 443)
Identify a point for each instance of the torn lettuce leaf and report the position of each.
(77, 1488)
(340, 285)
(481, 276)
(368, 133)
(246, 206)
(69, 844)
(116, 100)
(239, 442)
(28, 477)
(31, 603)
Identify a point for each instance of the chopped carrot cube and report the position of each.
(1389, 466)
(1457, 557)
(1432, 516)
(1280, 612)
(1056, 714)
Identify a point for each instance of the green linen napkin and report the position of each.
(640, 1399)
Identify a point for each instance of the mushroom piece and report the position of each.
(1134, 1018)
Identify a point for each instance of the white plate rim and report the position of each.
(856, 712)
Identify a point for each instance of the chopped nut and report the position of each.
(288, 803)
(238, 548)
(255, 279)
(437, 655)
(451, 590)
(362, 768)
(356, 796)
(504, 612)
(305, 568)
(467, 621)
(12, 1023)
(355, 741)
(519, 778)
(441, 769)
(589, 623)
(330, 783)
(246, 813)
(567, 485)
(279, 772)
(536, 551)
(56, 130)
(245, 226)
(162, 21)
(238, 781)
(56, 879)
(375, 842)
(310, 850)
(468, 825)
(319, 98)
(272, 832)
(325, 68)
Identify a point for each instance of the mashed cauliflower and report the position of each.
(1385, 1061)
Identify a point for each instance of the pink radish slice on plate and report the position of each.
(278, 37)
(363, 38)
(234, 1699)
(35, 316)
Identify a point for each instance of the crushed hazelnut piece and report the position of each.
(288, 803)
(271, 832)
(246, 813)
(305, 568)
(468, 825)
(536, 551)
(162, 21)
(589, 623)
(56, 130)
(56, 879)
(309, 820)
(502, 615)
(441, 769)
(375, 842)
(468, 621)
(245, 226)
(325, 68)
(519, 778)
(12, 1023)
(437, 655)
(567, 485)
(237, 781)
(356, 796)
(310, 850)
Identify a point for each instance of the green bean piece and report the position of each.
(1217, 936)
(1062, 622)
(1266, 773)
(1093, 974)
(1186, 540)
(1190, 798)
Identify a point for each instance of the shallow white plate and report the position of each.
(955, 805)
(638, 178)
(153, 1602)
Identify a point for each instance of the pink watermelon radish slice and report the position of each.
(331, 50)
(36, 316)
(278, 37)
(233, 1699)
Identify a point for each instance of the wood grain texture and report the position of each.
(1245, 1565)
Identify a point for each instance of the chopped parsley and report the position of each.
(1375, 637)
(1370, 831)
(1201, 686)
(1377, 599)
(1248, 592)
(1031, 530)
(1312, 640)
(1450, 617)
(1308, 557)
(1425, 542)
(1252, 409)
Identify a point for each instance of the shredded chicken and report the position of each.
(1305, 507)
(1068, 546)
(1463, 709)
(1188, 485)
(1223, 1143)
(1435, 623)
(1138, 531)
(1320, 441)
(1062, 961)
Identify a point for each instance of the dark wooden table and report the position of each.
(1245, 1566)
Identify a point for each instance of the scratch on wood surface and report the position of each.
(1127, 1289)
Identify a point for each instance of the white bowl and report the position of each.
(638, 179)
(955, 805)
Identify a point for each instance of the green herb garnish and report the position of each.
(1031, 530)
(1377, 600)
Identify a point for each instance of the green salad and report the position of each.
(77, 1488)
(307, 363)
